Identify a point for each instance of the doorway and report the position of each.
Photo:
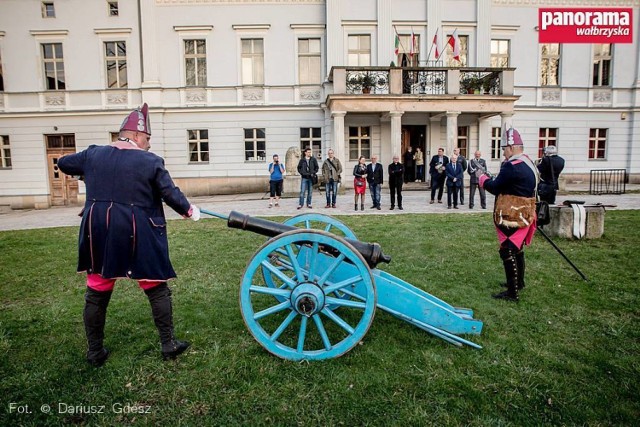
(415, 136)
(63, 188)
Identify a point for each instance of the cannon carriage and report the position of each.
(311, 290)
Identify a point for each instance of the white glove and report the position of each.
(195, 213)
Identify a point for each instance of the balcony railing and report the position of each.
(422, 81)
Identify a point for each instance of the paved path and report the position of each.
(257, 204)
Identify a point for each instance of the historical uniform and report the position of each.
(514, 212)
(123, 233)
(549, 167)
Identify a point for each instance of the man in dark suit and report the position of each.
(396, 172)
(462, 162)
(375, 178)
(455, 175)
(409, 167)
(475, 164)
(436, 170)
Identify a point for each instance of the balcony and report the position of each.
(422, 81)
(486, 91)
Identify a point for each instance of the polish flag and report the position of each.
(454, 41)
(412, 49)
(435, 45)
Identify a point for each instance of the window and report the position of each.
(359, 142)
(53, 66)
(252, 61)
(309, 67)
(61, 141)
(198, 146)
(499, 53)
(359, 54)
(48, 11)
(547, 136)
(195, 62)
(1, 79)
(597, 143)
(463, 140)
(448, 52)
(311, 137)
(550, 64)
(114, 136)
(113, 8)
(116, 62)
(602, 65)
(254, 145)
(408, 55)
(5, 152)
(496, 139)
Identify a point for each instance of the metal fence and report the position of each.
(607, 181)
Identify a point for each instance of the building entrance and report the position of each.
(64, 188)
(415, 136)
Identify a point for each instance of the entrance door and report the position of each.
(63, 188)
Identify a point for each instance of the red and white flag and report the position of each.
(412, 49)
(454, 41)
(435, 45)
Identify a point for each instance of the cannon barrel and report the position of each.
(372, 252)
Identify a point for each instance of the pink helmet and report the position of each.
(510, 137)
(137, 120)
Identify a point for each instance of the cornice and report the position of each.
(112, 30)
(48, 32)
(255, 2)
(568, 3)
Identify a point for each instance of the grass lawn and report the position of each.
(567, 354)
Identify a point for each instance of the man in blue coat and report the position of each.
(455, 175)
(123, 233)
(514, 213)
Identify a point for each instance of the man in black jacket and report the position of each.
(550, 167)
(375, 178)
(436, 170)
(308, 169)
(396, 172)
(409, 167)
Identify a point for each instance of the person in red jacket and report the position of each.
(123, 233)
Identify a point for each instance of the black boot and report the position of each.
(520, 263)
(355, 206)
(95, 315)
(362, 207)
(511, 271)
(161, 308)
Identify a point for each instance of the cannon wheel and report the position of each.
(315, 222)
(319, 221)
(279, 317)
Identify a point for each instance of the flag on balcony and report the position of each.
(397, 50)
(435, 45)
(412, 49)
(454, 42)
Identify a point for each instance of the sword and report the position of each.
(563, 255)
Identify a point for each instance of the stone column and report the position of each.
(506, 120)
(452, 131)
(334, 34)
(396, 133)
(149, 43)
(385, 34)
(338, 135)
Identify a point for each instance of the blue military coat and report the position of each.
(123, 231)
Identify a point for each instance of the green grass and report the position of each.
(567, 354)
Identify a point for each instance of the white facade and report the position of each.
(227, 100)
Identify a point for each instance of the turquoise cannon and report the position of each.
(311, 291)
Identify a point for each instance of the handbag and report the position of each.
(359, 183)
(543, 213)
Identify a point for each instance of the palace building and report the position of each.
(229, 83)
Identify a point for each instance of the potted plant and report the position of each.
(470, 84)
(367, 81)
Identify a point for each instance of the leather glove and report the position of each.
(194, 213)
